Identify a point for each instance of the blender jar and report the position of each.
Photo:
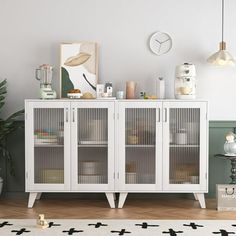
(44, 74)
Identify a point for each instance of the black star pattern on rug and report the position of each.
(21, 231)
(145, 225)
(71, 231)
(223, 232)
(97, 225)
(171, 232)
(51, 224)
(193, 225)
(122, 232)
(5, 223)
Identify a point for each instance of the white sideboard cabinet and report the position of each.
(162, 147)
(69, 147)
(116, 146)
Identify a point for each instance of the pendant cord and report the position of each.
(223, 16)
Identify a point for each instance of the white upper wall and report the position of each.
(31, 32)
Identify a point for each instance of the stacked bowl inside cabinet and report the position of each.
(90, 173)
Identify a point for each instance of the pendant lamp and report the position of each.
(222, 57)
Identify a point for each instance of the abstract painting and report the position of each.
(78, 67)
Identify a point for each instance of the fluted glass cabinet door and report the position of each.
(50, 126)
(93, 132)
(185, 145)
(139, 145)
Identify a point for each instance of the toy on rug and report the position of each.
(41, 222)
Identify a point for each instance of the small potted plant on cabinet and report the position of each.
(7, 126)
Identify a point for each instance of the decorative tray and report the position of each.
(74, 95)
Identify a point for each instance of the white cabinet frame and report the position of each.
(163, 140)
(70, 149)
(74, 146)
(121, 185)
(203, 165)
(116, 149)
(29, 147)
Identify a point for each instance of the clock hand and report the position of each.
(158, 41)
(165, 41)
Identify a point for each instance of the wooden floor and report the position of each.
(174, 208)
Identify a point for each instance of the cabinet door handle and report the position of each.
(73, 114)
(159, 114)
(67, 115)
(165, 112)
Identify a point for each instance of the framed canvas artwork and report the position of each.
(78, 68)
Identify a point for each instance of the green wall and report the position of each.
(219, 170)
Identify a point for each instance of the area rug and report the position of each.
(105, 227)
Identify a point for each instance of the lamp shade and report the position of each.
(222, 58)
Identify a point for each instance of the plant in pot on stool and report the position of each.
(7, 126)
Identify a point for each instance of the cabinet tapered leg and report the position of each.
(111, 200)
(38, 196)
(32, 198)
(195, 196)
(122, 199)
(201, 199)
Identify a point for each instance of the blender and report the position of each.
(44, 75)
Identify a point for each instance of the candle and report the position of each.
(130, 89)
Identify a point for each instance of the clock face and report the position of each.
(160, 43)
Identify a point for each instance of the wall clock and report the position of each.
(160, 43)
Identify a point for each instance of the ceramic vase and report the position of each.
(130, 89)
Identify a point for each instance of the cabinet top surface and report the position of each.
(113, 100)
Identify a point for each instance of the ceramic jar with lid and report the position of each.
(230, 144)
(181, 137)
(230, 148)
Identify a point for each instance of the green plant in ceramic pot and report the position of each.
(7, 126)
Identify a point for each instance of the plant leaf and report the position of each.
(1, 104)
(15, 115)
(7, 126)
(3, 90)
(3, 83)
(7, 155)
(2, 98)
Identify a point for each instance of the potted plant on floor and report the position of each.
(7, 126)
(1, 184)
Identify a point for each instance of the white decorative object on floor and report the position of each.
(116, 146)
(105, 227)
(226, 197)
(41, 222)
